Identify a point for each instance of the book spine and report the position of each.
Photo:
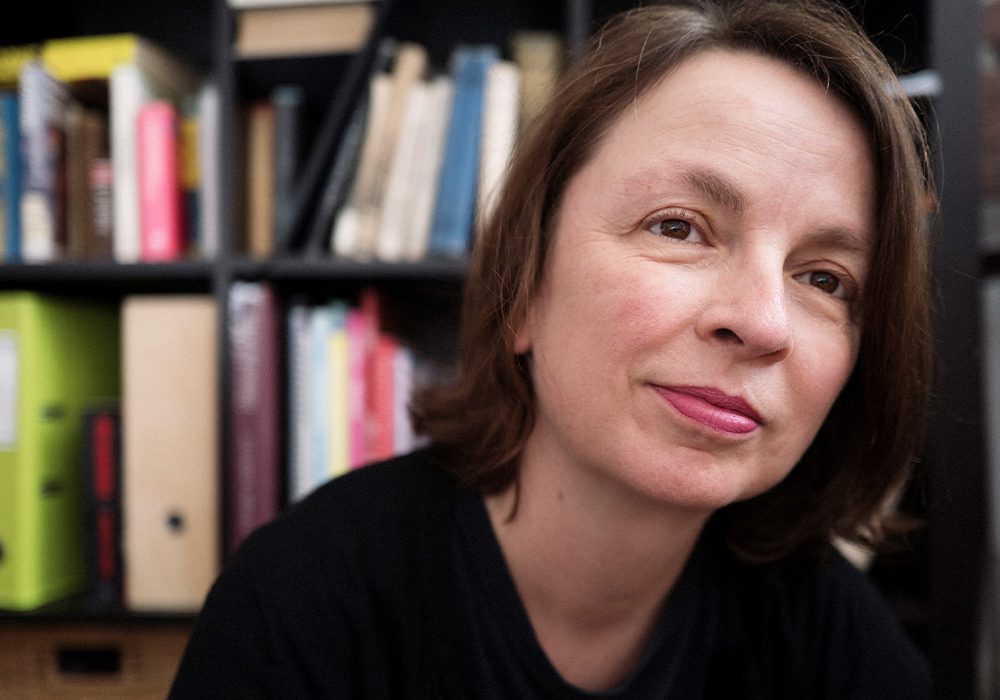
(383, 399)
(10, 177)
(161, 216)
(320, 324)
(338, 392)
(357, 386)
(454, 208)
(288, 101)
(101, 193)
(102, 462)
(128, 90)
(43, 198)
(253, 469)
(402, 378)
(260, 179)
(299, 424)
(190, 180)
(209, 157)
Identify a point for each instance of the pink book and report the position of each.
(383, 402)
(357, 387)
(161, 216)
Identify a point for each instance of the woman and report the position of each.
(695, 351)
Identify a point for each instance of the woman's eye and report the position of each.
(826, 282)
(678, 229)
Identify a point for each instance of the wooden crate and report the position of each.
(60, 662)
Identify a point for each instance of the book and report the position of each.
(338, 392)
(333, 119)
(86, 142)
(499, 131)
(299, 425)
(43, 102)
(337, 187)
(131, 85)
(359, 333)
(10, 176)
(300, 30)
(338, 182)
(427, 166)
(382, 388)
(539, 56)
(260, 173)
(101, 246)
(244, 4)
(403, 437)
(289, 108)
(57, 357)
(455, 203)
(253, 478)
(320, 329)
(170, 448)
(102, 502)
(358, 222)
(189, 175)
(395, 217)
(12, 59)
(345, 236)
(96, 57)
(209, 153)
(408, 68)
(162, 224)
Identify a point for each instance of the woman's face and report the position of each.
(695, 321)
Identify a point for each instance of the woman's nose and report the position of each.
(748, 310)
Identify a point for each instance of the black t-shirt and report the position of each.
(389, 582)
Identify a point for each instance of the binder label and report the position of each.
(8, 390)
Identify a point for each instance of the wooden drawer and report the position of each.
(58, 662)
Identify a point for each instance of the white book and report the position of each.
(500, 126)
(402, 389)
(128, 90)
(209, 154)
(345, 232)
(397, 205)
(44, 101)
(427, 162)
(408, 68)
(300, 480)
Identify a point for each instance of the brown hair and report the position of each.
(868, 444)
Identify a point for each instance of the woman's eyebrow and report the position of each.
(715, 187)
(707, 182)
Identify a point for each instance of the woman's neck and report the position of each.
(593, 563)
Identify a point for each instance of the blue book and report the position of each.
(10, 178)
(455, 203)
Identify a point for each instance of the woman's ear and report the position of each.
(519, 336)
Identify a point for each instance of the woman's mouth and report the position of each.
(712, 408)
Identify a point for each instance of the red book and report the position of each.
(102, 488)
(253, 479)
(161, 213)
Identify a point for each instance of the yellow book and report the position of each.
(11, 60)
(338, 391)
(95, 57)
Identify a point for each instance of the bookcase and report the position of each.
(937, 588)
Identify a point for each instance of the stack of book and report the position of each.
(349, 384)
(432, 151)
(422, 154)
(107, 141)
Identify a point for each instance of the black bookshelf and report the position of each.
(935, 587)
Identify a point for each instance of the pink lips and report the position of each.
(713, 408)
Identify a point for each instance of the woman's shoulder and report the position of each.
(365, 513)
(822, 617)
